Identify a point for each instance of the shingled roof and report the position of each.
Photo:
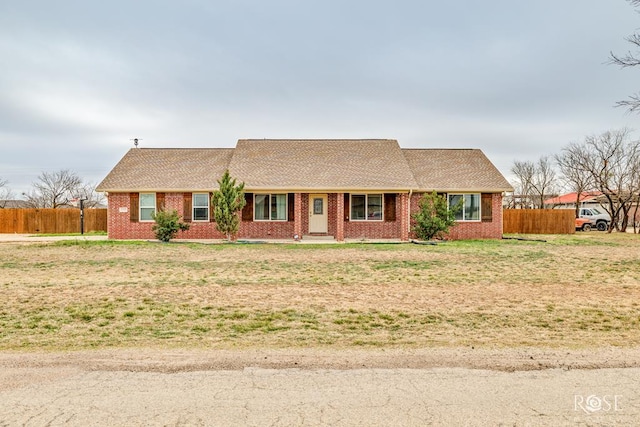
(455, 170)
(355, 164)
(168, 169)
(306, 165)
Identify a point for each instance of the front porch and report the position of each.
(325, 216)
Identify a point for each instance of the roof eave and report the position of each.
(248, 188)
(466, 190)
(155, 190)
(309, 189)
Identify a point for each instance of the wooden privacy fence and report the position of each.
(539, 221)
(31, 221)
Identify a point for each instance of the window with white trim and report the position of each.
(470, 206)
(366, 207)
(200, 207)
(147, 206)
(270, 207)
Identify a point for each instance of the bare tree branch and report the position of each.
(5, 193)
(543, 182)
(613, 161)
(632, 104)
(630, 59)
(522, 188)
(577, 179)
(535, 182)
(54, 189)
(88, 193)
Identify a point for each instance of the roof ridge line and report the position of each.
(317, 139)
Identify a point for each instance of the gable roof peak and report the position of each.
(330, 164)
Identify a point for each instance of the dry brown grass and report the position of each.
(576, 291)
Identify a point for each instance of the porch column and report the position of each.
(404, 211)
(340, 217)
(297, 214)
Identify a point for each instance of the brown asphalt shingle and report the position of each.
(168, 169)
(306, 165)
(454, 170)
(362, 164)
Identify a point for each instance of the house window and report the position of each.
(147, 206)
(366, 207)
(270, 207)
(201, 207)
(470, 206)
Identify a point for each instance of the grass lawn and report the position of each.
(579, 291)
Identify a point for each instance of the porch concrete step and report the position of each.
(317, 237)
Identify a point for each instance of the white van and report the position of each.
(597, 217)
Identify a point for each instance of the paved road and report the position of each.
(70, 396)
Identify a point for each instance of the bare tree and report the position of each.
(576, 178)
(522, 188)
(5, 193)
(87, 192)
(54, 189)
(630, 59)
(544, 180)
(612, 160)
(535, 182)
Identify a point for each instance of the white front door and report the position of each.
(318, 217)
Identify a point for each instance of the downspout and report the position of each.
(409, 212)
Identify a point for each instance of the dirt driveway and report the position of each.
(31, 238)
(385, 388)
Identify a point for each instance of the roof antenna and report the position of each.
(135, 141)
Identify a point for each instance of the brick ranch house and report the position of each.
(346, 189)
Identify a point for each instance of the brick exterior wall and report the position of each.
(341, 228)
(470, 229)
(372, 230)
(340, 209)
(121, 227)
(266, 230)
(304, 214)
(403, 215)
(297, 227)
(379, 229)
(332, 211)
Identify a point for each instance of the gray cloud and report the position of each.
(516, 79)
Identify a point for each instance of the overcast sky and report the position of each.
(517, 79)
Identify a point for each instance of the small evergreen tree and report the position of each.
(227, 201)
(435, 217)
(167, 225)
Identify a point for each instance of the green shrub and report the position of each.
(167, 225)
(227, 201)
(435, 217)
